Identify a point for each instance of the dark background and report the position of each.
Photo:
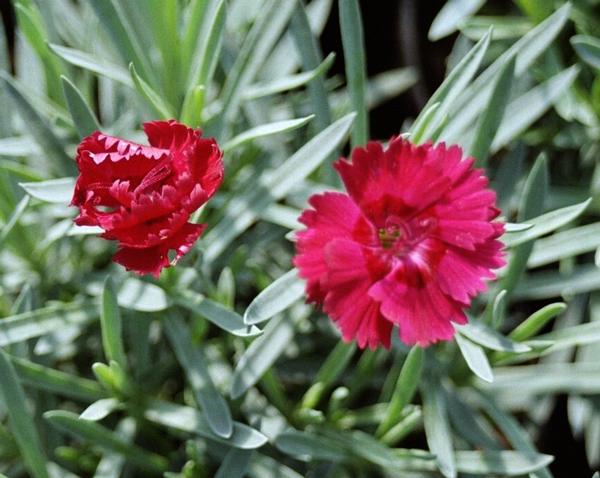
(396, 36)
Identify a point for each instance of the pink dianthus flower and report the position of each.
(411, 243)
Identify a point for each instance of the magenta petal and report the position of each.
(348, 302)
(411, 244)
(424, 315)
(334, 216)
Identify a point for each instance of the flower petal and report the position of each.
(334, 216)
(351, 272)
(423, 314)
(152, 260)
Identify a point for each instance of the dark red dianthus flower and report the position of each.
(143, 196)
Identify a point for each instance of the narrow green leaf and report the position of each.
(142, 296)
(407, 424)
(515, 434)
(235, 464)
(208, 44)
(243, 209)
(504, 463)
(113, 19)
(191, 111)
(437, 428)
(544, 285)
(406, 386)
(468, 422)
(194, 17)
(152, 97)
(56, 381)
(536, 321)
(483, 335)
(39, 128)
(265, 466)
(588, 49)
(190, 420)
(510, 227)
(532, 204)
(216, 313)
(194, 25)
(84, 120)
(17, 146)
(32, 27)
(164, 18)
(336, 362)
(107, 377)
(261, 354)
(93, 63)
(355, 62)
(577, 335)
(311, 56)
(76, 230)
(52, 190)
(277, 297)
(266, 130)
(493, 114)
(541, 379)
(257, 45)
(112, 329)
(28, 325)
(448, 91)
(13, 220)
(344, 447)
(505, 27)
(226, 287)
(111, 464)
(194, 362)
(107, 439)
(451, 17)
(21, 420)
(526, 109)
(100, 409)
(546, 223)
(564, 244)
(526, 50)
(305, 445)
(499, 309)
(282, 216)
(362, 445)
(425, 118)
(475, 358)
(287, 83)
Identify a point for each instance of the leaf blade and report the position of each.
(21, 420)
(193, 362)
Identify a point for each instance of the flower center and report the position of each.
(399, 236)
(389, 235)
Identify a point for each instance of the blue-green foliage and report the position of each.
(218, 368)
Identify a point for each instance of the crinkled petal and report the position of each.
(150, 233)
(152, 260)
(400, 180)
(431, 244)
(423, 314)
(334, 216)
(351, 272)
(199, 157)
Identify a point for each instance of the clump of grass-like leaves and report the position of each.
(219, 368)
